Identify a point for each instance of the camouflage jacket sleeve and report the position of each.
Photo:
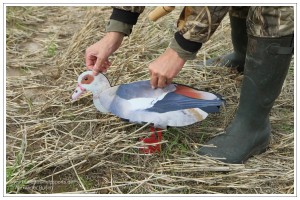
(270, 21)
(195, 26)
(122, 19)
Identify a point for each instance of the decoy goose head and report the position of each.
(88, 82)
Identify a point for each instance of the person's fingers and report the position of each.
(90, 61)
(107, 63)
(105, 66)
(104, 69)
(154, 81)
(98, 66)
(169, 81)
(162, 81)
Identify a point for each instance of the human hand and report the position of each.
(165, 68)
(96, 56)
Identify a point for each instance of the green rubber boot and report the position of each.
(239, 39)
(266, 67)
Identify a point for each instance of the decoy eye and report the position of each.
(87, 79)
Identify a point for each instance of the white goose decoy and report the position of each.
(175, 105)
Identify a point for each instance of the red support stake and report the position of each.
(150, 141)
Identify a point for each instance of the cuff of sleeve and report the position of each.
(186, 55)
(118, 26)
(187, 44)
(125, 16)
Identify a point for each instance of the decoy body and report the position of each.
(175, 105)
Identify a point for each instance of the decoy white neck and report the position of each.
(100, 84)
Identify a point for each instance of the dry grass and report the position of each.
(54, 145)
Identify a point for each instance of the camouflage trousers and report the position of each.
(198, 23)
